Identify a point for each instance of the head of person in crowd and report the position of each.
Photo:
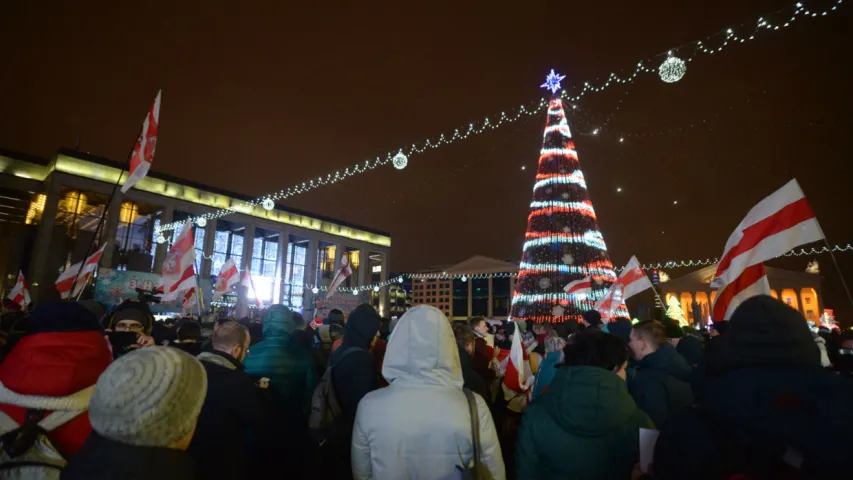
(597, 349)
(298, 320)
(362, 327)
(592, 318)
(257, 331)
(94, 306)
(393, 324)
(335, 317)
(464, 337)
(233, 339)
(718, 328)
(673, 332)
(620, 328)
(479, 326)
(384, 328)
(646, 338)
(132, 316)
(554, 344)
(302, 338)
(149, 398)
(766, 331)
(53, 366)
(189, 332)
(222, 321)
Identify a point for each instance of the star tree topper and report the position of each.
(552, 82)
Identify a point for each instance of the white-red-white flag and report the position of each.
(20, 294)
(344, 271)
(751, 282)
(143, 152)
(65, 283)
(778, 223)
(518, 377)
(633, 279)
(250, 284)
(611, 303)
(227, 278)
(179, 264)
(189, 299)
(580, 288)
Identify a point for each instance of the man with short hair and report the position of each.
(231, 408)
(465, 342)
(482, 354)
(660, 386)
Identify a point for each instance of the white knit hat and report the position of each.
(150, 397)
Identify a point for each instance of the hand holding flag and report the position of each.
(20, 294)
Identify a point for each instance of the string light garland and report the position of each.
(524, 110)
(400, 161)
(672, 69)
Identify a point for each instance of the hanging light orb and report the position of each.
(672, 69)
(268, 204)
(355, 292)
(464, 278)
(315, 290)
(400, 161)
(201, 222)
(376, 288)
(161, 239)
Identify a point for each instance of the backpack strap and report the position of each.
(7, 424)
(475, 425)
(58, 419)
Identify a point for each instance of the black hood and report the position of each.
(765, 331)
(361, 327)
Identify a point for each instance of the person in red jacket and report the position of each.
(55, 367)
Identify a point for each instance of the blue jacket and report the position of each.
(546, 373)
(661, 384)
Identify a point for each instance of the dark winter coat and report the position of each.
(473, 380)
(232, 409)
(661, 385)
(586, 426)
(690, 348)
(104, 459)
(289, 368)
(192, 348)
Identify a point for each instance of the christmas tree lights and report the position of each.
(562, 242)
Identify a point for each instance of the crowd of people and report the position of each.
(87, 394)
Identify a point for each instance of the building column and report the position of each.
(490, 308)
(38, 261)
(207, 261)
(110, 229)
(384, 303)
(310, 274)
(281, 265)
(165, 217)
(470, 283)
(363, 266)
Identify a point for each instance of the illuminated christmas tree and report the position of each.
(562, 242)
(674, 310)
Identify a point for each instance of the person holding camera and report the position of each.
(130, 327)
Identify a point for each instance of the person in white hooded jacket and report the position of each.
(419, 427)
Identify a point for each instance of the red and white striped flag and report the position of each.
(633, 279)
(518, 377)
(582, 287)
(778, 223)
(752, 282)
(20, 294)
(65, 283)
(608, 305)
(227, 278)
(179, 264)
(250, 284)
(344, 271)
(143, 152)
(189, 299)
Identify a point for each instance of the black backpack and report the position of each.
(324, 421)
(25, 450)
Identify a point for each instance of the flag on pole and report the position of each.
(143, 152)
(227, 278)
(189, 299)
(518, 378)
(344, 271)
(778, 223)
(65, 283)
(248, 283)
(20, 294)
(179, 265)
(582, 287)
(752, 282)
(633, 279)
(608, 305)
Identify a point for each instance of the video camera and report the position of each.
(147, 296)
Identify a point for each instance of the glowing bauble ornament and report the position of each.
(565, 195)
(400, 161)
(355, 292)
(315, 290)
(549, 190)
(566, 229)
(161, 239)
(544, 283)
(558, 311)
(464, 278)
(375, 289)
(201, 222)
(568, 259)
(672, 69)
(268, 204)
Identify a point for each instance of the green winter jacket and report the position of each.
(289, 367)
(586, 426)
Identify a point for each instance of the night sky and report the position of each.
(261, 95)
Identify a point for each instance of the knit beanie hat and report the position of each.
(133, 310)
(672, 329)
(765, 331)
(621, 328)
(150, 397)
(62, 316)
(592, 317)
(335, 317)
